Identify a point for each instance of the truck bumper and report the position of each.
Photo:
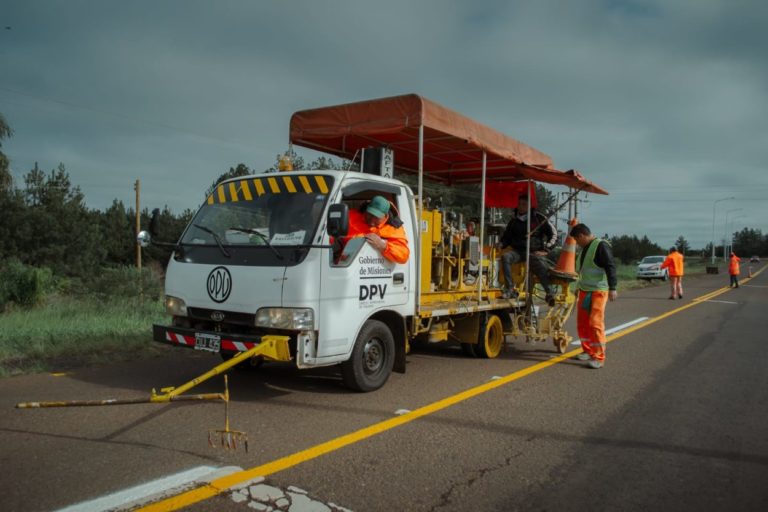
(202, 340)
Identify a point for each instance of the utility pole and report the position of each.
(137, 188)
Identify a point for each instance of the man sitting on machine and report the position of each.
(543, 239)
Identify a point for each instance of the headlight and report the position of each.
(175, 306)
(286, 318)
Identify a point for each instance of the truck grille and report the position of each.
(214, 315)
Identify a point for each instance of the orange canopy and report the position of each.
(453, 143)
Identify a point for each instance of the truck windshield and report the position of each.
(271, 212)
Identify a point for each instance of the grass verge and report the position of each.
(68, 332)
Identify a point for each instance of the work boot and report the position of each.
(595, 364)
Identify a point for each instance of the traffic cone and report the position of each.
(566, 264)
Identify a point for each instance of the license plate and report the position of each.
(209, 342)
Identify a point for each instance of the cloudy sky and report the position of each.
(662, 102)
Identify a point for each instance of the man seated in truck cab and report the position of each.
(543, 239)
(382, 230)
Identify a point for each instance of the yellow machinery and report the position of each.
(461, 295)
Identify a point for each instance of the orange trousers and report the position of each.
(590, 323)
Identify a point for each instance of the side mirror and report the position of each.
(144, 239)
(338, 220)
(154, 221)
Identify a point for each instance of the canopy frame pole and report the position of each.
(420, 217)
(482, 231)
(528, 245)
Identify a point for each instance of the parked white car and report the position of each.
(650, 268)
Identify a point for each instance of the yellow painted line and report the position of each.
(222, 197)
(210, 199)
(221, 485)
(273, 185)
(233, 192)
(289, 184)
(259, 187)
(305, 184)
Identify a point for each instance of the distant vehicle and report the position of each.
(650, 268)
(754, 259)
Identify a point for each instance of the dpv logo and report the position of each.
(372, 292)
(219, 284)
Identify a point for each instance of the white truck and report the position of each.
(257, 258)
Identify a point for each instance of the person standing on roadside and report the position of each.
(596, 285)
(674, 262)
(734, 270)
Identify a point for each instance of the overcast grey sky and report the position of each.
(661, 102)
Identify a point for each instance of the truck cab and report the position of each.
(257, 259)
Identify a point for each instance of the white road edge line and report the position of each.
(134, 496)
(618, 328)
(722, 301)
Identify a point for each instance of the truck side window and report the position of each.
(347, 256)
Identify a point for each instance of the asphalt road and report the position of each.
(676, 420)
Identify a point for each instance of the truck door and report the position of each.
(359, 283)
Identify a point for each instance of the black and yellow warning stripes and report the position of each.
(248, 189)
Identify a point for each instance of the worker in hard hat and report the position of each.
(381, 229)
(596, 285)
(674, 262)
(734, 270)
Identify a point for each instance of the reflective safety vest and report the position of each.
(591, 277)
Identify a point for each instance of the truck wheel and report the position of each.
(372, 359)
(491, 338)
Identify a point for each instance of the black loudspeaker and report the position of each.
(378, 161)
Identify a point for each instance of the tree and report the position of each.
(748, 242)
(6, 180)
(56, 229)
(682, 245)
(117, 235)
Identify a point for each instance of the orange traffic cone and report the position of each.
(566, 264)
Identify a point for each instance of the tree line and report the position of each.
(47, 224)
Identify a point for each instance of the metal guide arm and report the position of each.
(271, 347)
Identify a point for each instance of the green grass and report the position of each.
(69, 332)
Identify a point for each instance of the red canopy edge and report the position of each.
(453, 143)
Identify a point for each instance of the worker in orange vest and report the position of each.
(734, 270)
(380, 229)
(674, 262)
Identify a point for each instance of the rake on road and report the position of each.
(228, 438)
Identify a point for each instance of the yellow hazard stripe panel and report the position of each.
(253, 188)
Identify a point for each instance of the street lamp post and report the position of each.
(714, 205)
(725, 228)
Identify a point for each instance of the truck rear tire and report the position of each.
(372, 359)
(491, 339)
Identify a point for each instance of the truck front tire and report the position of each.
(372, 359)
